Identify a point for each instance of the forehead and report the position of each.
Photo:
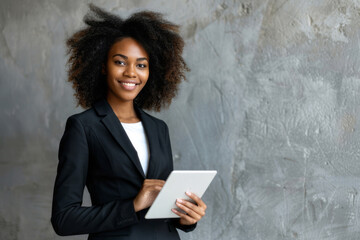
(128, 47)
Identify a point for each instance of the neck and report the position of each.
(124, 110)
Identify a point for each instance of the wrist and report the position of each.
(136, 207)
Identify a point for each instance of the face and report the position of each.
(127, 70)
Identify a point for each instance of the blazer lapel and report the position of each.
(114, 126)
(152, 137)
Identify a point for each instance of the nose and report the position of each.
(130, 71)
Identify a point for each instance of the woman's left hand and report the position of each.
(193, 212)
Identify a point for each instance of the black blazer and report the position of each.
(95, 151)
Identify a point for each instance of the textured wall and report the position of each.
(272, 103)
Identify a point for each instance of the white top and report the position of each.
(136, 134)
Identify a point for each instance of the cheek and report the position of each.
(144, 75)
(113, 71)
(111, 78)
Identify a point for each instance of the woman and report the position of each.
(122, 154)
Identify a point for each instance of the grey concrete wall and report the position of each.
(272, 103)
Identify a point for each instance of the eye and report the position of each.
(118, 62)
(142, 65)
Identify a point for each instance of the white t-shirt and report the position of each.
(136, 134)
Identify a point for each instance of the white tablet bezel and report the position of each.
(178, 182)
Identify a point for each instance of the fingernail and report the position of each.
(179, 200)
(188, 193)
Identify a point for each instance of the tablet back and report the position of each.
(175, 187)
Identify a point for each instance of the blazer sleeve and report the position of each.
(68, 217)
(175, 221)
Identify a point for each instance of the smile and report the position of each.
(128, 85)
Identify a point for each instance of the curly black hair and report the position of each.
(88, 50)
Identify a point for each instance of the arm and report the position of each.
(176, 221)
(68, 216)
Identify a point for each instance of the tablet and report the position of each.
(175, 187)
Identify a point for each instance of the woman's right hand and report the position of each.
(148, 192)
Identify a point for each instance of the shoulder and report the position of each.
(88, 113)
(85, 118)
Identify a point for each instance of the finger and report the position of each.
(187, 218)
(199, 210)
(198, 200)
(190, 212)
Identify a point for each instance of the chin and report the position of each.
(127, 98)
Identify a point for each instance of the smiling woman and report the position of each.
(89, 54)
(120, 153)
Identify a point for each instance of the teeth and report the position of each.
(129, 84)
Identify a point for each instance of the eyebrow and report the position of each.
(123, 56)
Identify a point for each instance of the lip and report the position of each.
(128, 85)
